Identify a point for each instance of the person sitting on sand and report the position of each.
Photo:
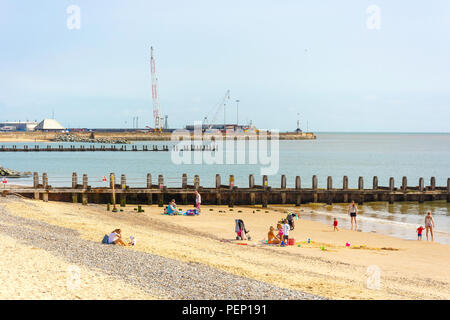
(429, 225)
(115, 237)
(419, 232)
(271, 237)
(172, 208)
(335, 225)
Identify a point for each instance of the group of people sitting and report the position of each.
(284, 226)
(171, 209)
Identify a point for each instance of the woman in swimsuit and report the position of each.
(272, 238)
(352, 211)
(429, 225)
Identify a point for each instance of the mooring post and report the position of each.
(184, 186)
(375, 188)
(149, 186)
(45, 186)
(329, 189)
(84, 197)
(218, 195)
(298, 187)
(283, 186)
(251, 185)
(265, 195)
(74, 186)
(123, 187)
(161, 189)
(361, 190)
(36, 185)
(421, 190)
(391, 190)
(314, 187)
(231, 185)
(345, 188)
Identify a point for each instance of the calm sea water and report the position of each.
(352, 154)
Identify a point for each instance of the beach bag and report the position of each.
(105, 239)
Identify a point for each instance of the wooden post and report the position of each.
(123, 186)
(345, 188)
(45, 186)
(74, 186)
(84, 197)
(448, 189)
(149, 186)
(36, 185)
(314, 187)
(184, 185)
(361, 190)
(283, 186)
(265, 196)
(405, 188)
(375, 188)
(433, 183)
(433, 187)
(112, 183)
(330, 188)
(391, 189)
(421, 190)
(218, 195)
(196, 182)
(231, 185)
(161, 188)
(251, 185)
(35, 180)
(298, 186)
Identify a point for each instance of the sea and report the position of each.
(385, 155)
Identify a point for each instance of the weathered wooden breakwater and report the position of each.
(122, 148)
(229, 194)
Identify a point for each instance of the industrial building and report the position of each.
(17, 126)
(50, 125)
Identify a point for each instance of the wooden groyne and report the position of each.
(122, 148)
(157, 192)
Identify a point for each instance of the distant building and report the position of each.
(49, 125)
(17, 126)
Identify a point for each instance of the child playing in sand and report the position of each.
(419, 232)
(280, 232)
(335, 225)
(271, 237)
(286, 229)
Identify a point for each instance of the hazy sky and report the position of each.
(279, 58)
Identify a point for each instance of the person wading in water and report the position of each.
(352, 211)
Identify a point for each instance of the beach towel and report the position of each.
(105, 239)
(192, 212)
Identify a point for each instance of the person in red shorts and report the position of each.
(335, 225)
(419, 232)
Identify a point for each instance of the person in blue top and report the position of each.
(172, 208)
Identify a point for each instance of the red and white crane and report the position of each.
(155, 96)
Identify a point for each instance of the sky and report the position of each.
(334, 65)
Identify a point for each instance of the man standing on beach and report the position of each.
(352, 211)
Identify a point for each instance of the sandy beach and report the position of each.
(205, 245)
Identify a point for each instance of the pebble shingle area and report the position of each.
(159, 276)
